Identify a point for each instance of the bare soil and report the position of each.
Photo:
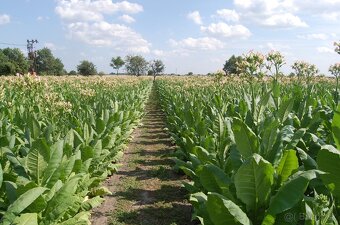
(146, 190)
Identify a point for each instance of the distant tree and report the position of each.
(190, 73)
(157, 67)
(72, 73)
(136, 65)
(230, 66)
(12, 61)
(101, 73)
(86, 68)
(117, 63)
(47, 64)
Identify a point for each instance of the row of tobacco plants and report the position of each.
(59, 138)
(257, 150)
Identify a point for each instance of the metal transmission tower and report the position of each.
(31, 56)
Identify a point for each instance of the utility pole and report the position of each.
(31, 56)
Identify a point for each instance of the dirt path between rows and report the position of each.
(146, 191)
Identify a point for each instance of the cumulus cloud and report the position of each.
(85, 21)
(284, 20)
(4, 18)
(227, 31)
(272, 13)
(228, 15)
(106, 34)
(317, 36)
(195, 17)
(204, 43)
(127, 19)
(93, 10)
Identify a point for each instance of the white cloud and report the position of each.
(85, 21)
(317, 36)
(272, 13)
(205, 43)
(227, 31)
(127, 19)
(284, 20)
(4, 18)
(325, 50)
(93, 10)
(106, 34)
(266, 6)
(158, 52)
(228, 15)
(195, 16)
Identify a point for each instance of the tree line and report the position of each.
(13, 61)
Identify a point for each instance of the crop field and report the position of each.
(253, 151)
(260, 152)
(59, 138)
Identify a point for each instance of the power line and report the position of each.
(4, 43)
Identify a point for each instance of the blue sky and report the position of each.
(188, 35)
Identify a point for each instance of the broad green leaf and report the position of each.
(11, 191)
(26, 219)
(16, 165)
(213, 179)
(69, 138)
(202, 154)
(223, 211)
(246, 140)
(54, 161)
(67, 168)
(261, 106)
(336, 127)
(308, 162)
(253, 182)
(25, 200)
(284, 109)
(34, 127)
(81, 218)
(198, 201)
(92, 203)
(329, 161)
(59, 204)
(291, 192)
(287, 165)
(36, 163)
(100, 125)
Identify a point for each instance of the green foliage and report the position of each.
(47, 64)
(256, 152)
(117, 63)
(86, 68)
(12, 61)
(136, 65)
(59, 139)
(157, 67)
(72, 73)
(230, 66)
